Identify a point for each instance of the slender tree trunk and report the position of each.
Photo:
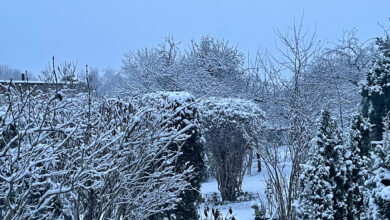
(91, 205)
(258, 162)
(250, 162)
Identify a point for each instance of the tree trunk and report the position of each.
(258, 162)
(91, 205)
(250, 162)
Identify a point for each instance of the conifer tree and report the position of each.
(379, 179)
(357, 166)
(323, 181)
(376, 89)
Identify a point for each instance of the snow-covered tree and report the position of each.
(376, 88)
(357, 166)
(151, 69)
(209, 66)
(337, 72)
(292, 107)
(231, 128)
(379, 179)
(213, 67)
(316, 197)
(323, 192)
(320, 78)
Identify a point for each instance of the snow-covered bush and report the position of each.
(231, 128)
(33, 138)
(143, 179)
(67, 156)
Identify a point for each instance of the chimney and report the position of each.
(23, 77)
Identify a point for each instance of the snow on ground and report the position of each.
(254, 184)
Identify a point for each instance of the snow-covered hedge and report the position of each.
(63, 155)
(180, 104)
(181, 112)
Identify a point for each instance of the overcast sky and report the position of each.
(98, 32)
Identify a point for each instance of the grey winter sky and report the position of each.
(99, 32)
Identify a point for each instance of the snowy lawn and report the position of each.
(254, 184)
